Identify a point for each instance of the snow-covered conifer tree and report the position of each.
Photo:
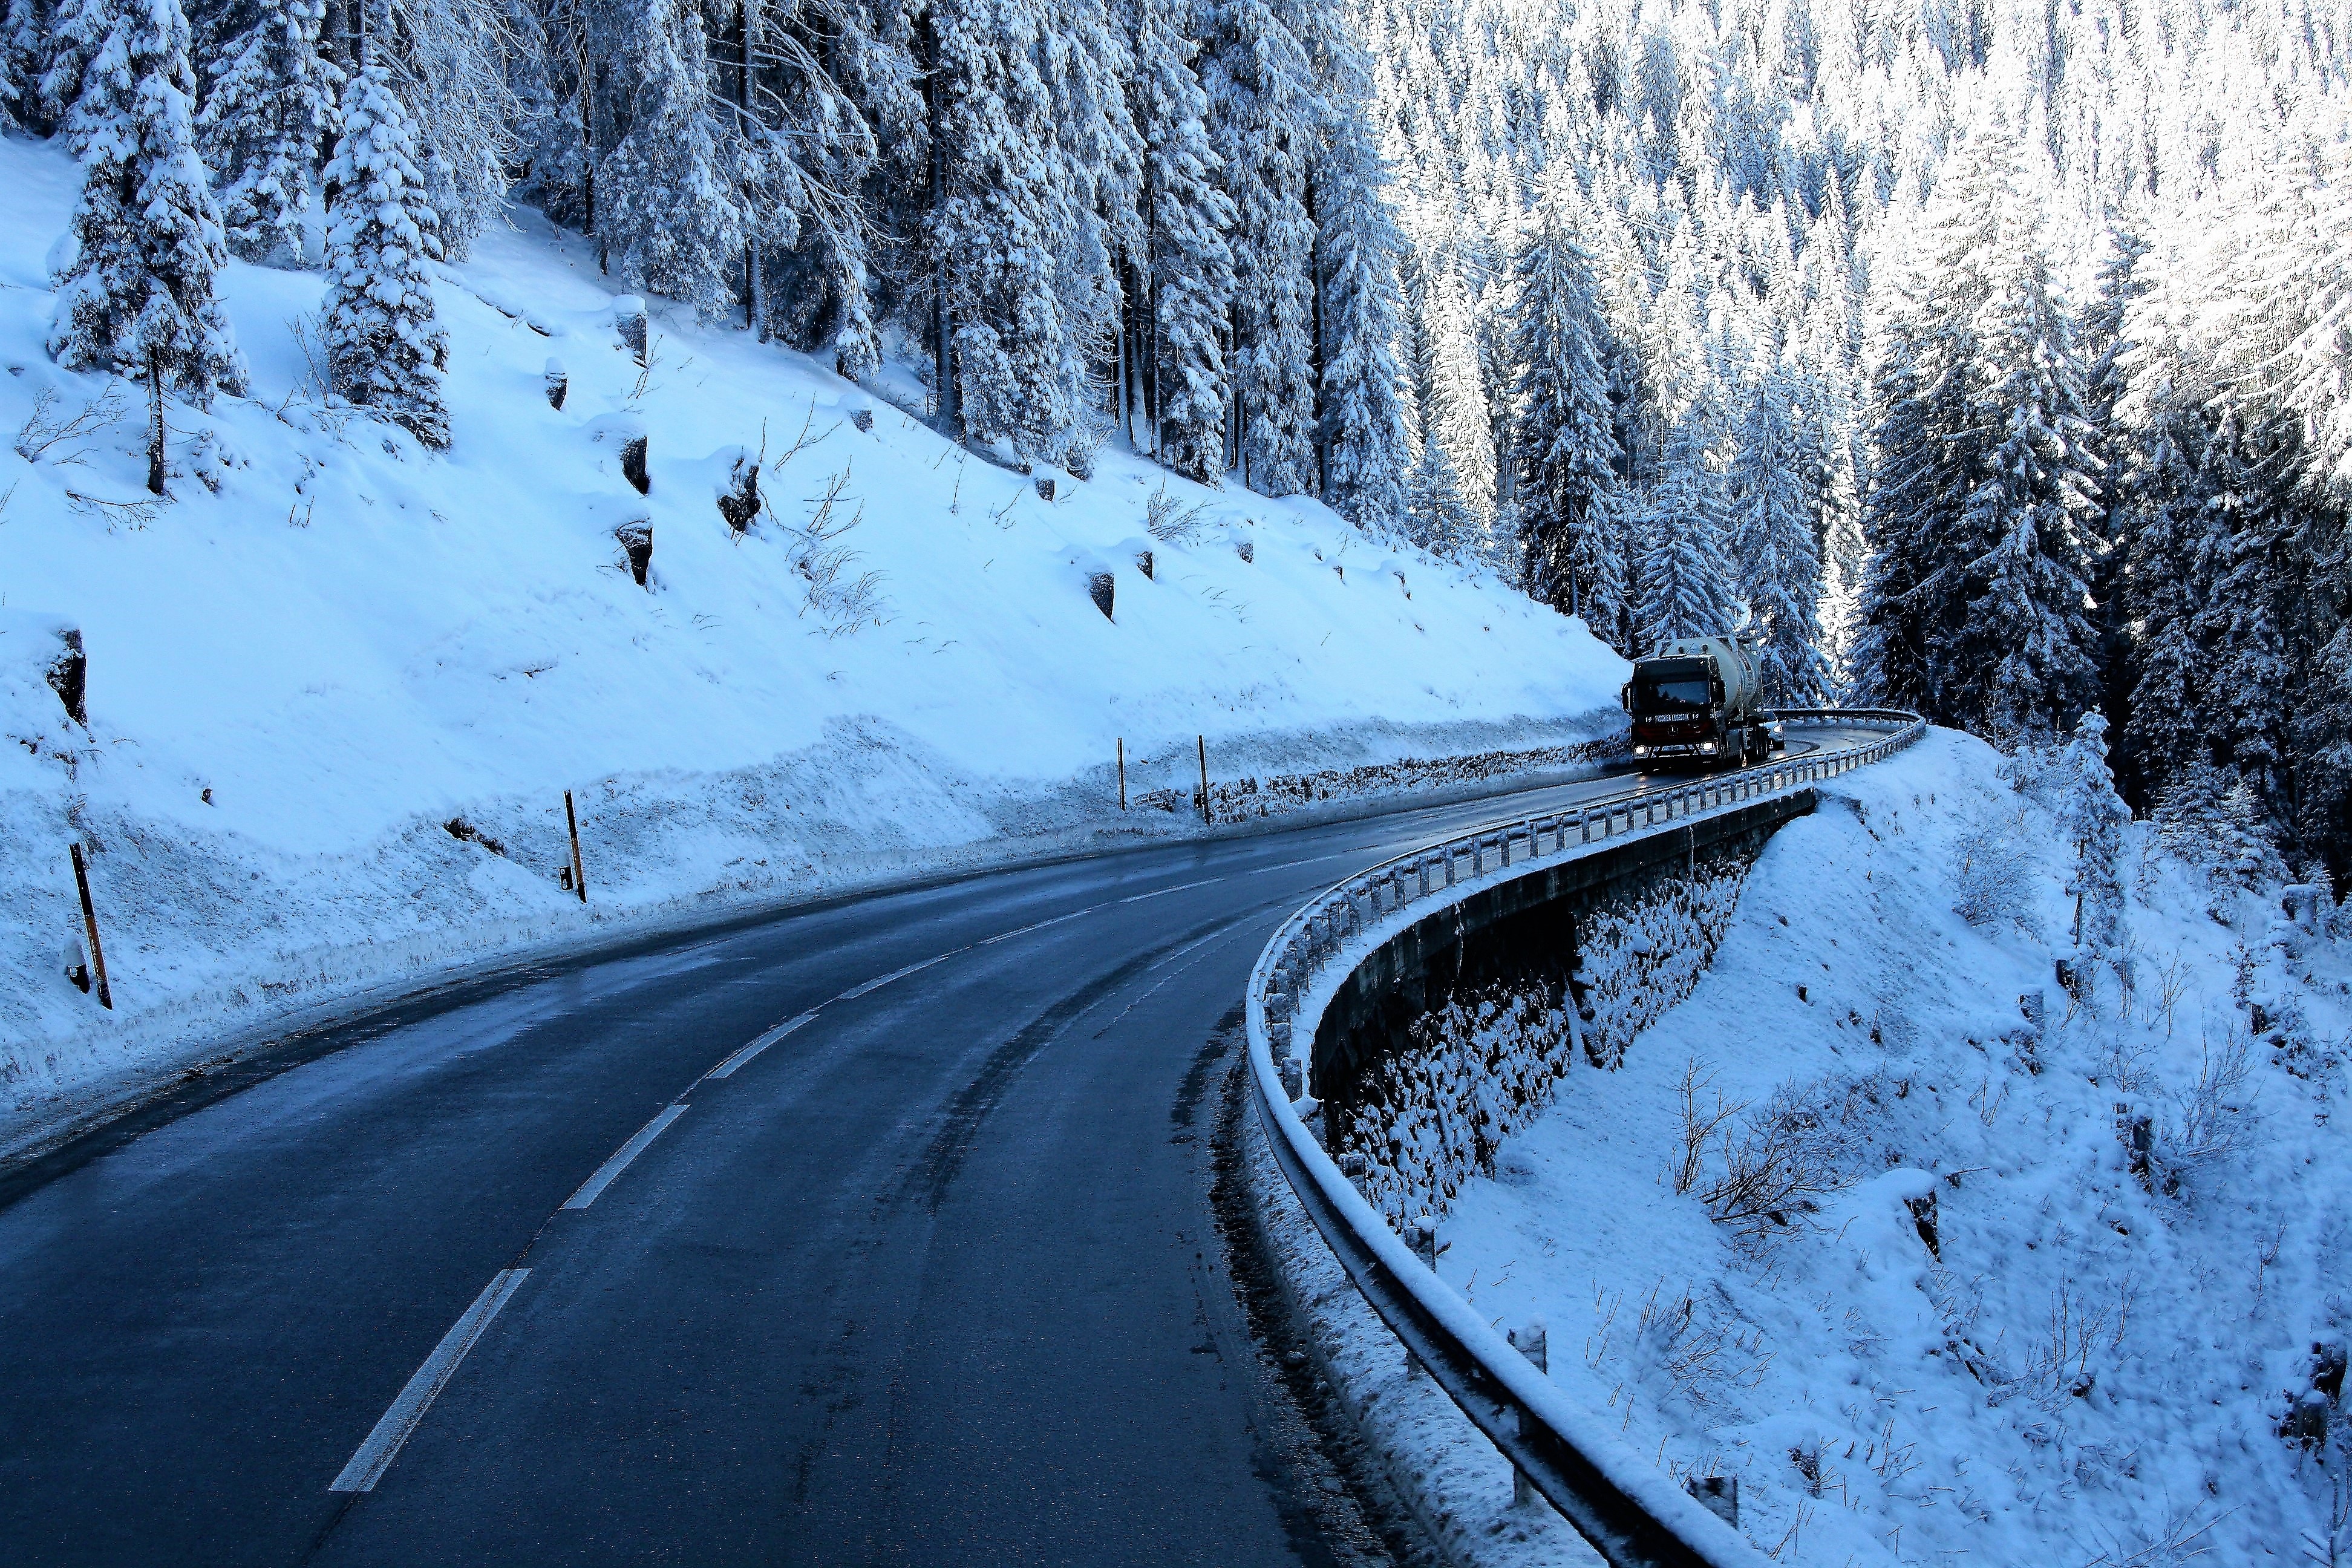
(269, 116)
(1442, 522)
(671, 194)
(1262, 114)
(25, 49)
(2091, 817)
(1365, 437)
(385, 347)
(138, 298)
(1563, 450)
(1678, 531)
(1772, 543)
(1188, 270)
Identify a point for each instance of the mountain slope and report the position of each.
(333, 670)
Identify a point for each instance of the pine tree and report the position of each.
(385, 348)
(672, 211)
(1365, 437)
(269, 113)
(1685, 576)
(1188, 286)
(139, 300)
(1563, 448)
(2091, 817)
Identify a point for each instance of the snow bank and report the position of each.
(1986, 1322)
(337, 688)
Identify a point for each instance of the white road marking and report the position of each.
(1040, 925)
(1314, 859)
(595, 1184)
(376, 1456)
(1178, 888)
(879, 981)
(726, 1068)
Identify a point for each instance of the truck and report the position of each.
(1698, 700)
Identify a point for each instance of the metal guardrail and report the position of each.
(1633, 1516)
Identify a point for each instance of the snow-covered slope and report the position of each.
(328, 647)
(2088, 1364)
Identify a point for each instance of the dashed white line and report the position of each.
(375, 1455)
(879, 981)
(1040, 925)
(595, 1184)
(1178, 888)
(1314, 859)
(727, 1068)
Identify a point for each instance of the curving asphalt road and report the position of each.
(930, 1279)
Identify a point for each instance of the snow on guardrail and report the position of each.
(1633, 1514)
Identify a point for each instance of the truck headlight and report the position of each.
(1641, 750)
(1706, 745)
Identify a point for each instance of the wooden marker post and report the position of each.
(1204, 742)
(579, 872)
(1122, 773)
(89, 927)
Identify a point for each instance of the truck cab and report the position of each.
(1695, 701)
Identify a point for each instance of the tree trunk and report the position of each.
(155, 423)
(951, 413)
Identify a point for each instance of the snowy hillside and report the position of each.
(1985, 1316)
(329, 654)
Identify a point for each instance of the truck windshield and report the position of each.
(1668, 687)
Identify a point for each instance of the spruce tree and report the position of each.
(1563, 452)
(1262, 114)
(672, 206)
(991, 234)
(1772, 543)
(139, 300)
(1365, 439)
(1188, 270)
(2091, 817)
(1685, 575)
(268, 116)
(1442, 522)
(385, 348)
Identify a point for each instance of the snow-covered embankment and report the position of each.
(337, 688)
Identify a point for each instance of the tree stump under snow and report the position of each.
(1101, 588)
(557, 384)
(637, 543)
(1143, 563)
(629, 316)
(864, 420)
(633, 464)
(738, 503)
(1045, 487)
(69, 676)
(1247, 551)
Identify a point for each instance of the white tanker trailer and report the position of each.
(1699, 699)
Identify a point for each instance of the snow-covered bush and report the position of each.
(1994, 870)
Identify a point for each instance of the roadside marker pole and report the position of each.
(1122, 773)
(1203, 743)
(578, 871)
(89, 925)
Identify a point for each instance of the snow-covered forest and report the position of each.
(1993, 360)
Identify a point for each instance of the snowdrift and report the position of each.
(336, 688)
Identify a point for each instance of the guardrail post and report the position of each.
(1531, 1342)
